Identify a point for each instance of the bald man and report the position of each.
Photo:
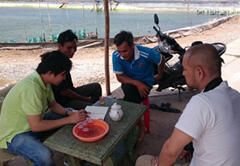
(211, 119)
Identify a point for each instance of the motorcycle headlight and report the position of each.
(163, 46)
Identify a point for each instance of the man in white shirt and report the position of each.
(211, 119)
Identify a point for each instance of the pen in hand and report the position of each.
(85, 112)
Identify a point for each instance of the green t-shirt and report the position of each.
(28, 97)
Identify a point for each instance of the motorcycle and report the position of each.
(168, 47)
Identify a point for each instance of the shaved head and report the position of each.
(206, 56)
(201, 64)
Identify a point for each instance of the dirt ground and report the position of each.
(89, 67)
(88, 63)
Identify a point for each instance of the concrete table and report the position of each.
(96, 152)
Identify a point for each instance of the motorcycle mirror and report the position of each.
(156, 20)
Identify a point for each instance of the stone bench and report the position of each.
(7, 158)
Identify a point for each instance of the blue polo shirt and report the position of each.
(141, 67)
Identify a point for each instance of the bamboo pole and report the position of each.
(106, 47)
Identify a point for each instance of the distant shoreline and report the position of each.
(88, 43)
(127, 6)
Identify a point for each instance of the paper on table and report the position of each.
(97, 112)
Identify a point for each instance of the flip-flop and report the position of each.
(165, 107)
(154, 106)
(173, 110)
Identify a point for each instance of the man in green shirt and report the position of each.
(23, 121)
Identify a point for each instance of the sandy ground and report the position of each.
(89, 66)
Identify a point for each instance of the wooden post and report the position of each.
(106, 47)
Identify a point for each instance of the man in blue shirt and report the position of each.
(133, 66)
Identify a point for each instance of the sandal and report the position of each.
(165, 107)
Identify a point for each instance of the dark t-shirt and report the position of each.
(65, 84)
